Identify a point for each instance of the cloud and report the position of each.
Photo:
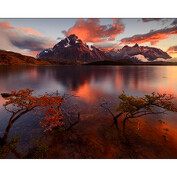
(154, 36)
(5, 25)
(172, 50)
(163, 21)
(145, 20)
(174, 23)
(90, 30)
(23, 40)
(141, 58)
(106, 46)
(174, 59)
(29, 31)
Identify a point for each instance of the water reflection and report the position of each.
(90, 83)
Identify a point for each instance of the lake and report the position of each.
(91, 86)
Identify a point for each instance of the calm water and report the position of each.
(92, 85)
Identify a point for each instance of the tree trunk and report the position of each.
(11, 121)
(115, 122)
(4, 138)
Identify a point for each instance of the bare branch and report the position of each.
(22, 113)
(102, 105)
(132, 117)
(73, 124)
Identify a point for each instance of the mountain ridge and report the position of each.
(72, 48)
(140, 53)
(13, 58)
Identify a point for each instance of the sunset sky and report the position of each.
(30, 36)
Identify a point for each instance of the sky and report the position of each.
(31, 36)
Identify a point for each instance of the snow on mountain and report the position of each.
(141, 53)
(73, 49)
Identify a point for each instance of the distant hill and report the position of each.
(13, 58)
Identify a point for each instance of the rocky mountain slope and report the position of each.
(12, 58)
(73, 49)
(142, 53)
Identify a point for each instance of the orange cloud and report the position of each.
(32, 53)
(5, 25)
(172, 49)
(30, 31)
(106, 49)
(23, 40)
(90, 30)
(153, 36)
(107, 46)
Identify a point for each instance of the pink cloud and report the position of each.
(91, 30)
(154, 36)
(23, 40)
(5, 25)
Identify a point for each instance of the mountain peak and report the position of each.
(72, 36)
(136, 45)
(72, 48)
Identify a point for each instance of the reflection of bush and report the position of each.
(38, 152)
(8, 147)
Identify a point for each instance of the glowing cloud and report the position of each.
(90, 30)
(154, 36)
(22, 39)
(172, 51)
(29, 31)
(106, 46)
(5, 25)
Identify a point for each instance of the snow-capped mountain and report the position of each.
(141, 53)
(73, 49)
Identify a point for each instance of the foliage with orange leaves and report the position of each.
(22, 101)
(135, 105)
(51, 106)
(130, 107)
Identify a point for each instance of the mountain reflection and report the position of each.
(89, 82)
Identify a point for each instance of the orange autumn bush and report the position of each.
(18, 103)
(130, 107)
